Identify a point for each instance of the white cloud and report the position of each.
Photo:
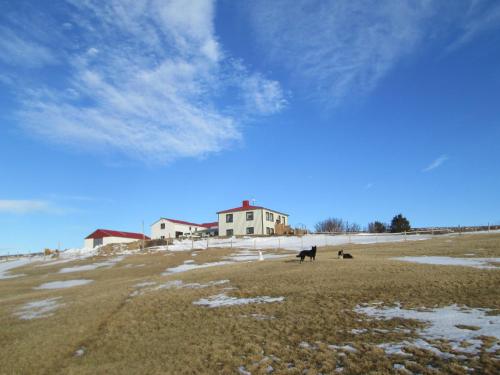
(339, 48)
(149, 80)
(263, 95)
(481, 16)
(435, 163)
(18, 51)
(334, 50)
(25, 206)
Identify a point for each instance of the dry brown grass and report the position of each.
(162, 332)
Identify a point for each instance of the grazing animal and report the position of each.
(340, 254)
(307, 253)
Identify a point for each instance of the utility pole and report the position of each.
(143, 237)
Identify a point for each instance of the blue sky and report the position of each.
(125, 112)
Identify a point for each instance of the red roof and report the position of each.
(184, 222)
(210, 225)
(100, 233)
(247, 207)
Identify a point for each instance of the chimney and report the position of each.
(246, 203)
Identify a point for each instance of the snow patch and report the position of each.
(482, 263)
(442, 325)
(5, 267)
(145, 284)
(346, 348)
(88, 267)
(190, 266)
(38, 309)
(223, 300)
(64, 284)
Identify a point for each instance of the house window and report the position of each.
(271, 216)
(229, 218)
(267, 216)
(249, 230)
(162, 226)
(229, 232)
(162, 237)
(269, 231)
(250, 216)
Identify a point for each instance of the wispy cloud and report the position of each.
(479, 17)
(149, 80)
(19, 51)
(342, 47)
(27, 206)
(435, 163)
(369, 185)
(335, 50)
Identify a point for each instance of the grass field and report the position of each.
(132, 318)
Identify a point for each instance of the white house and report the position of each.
(249, 220)
(171, 228)
(106, 236)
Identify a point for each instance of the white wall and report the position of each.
(89, 242)
(240, 223)
(171, 228)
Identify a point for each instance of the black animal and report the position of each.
(343, 255)
(307, 253)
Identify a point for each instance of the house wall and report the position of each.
(89, 242)
(240, 223)
(171, 228)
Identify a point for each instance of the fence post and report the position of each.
(192, 244)
(279, 243)
(405, 235)
(207, 242)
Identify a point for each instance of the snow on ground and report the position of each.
(223, 300)
(64, 284)
(460, 326)
(483, 263)
(87, 267)
(347, 348)
(173, 284)
(38, 309)
(180, 284)
(291, 242)
(252, 255)
(191, 266)
(240, 256)
(6, 266)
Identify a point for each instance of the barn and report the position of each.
(107, 236)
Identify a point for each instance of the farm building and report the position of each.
(251, 220)
(106, 236)
(172, 228)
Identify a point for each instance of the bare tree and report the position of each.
(330, 225)
(352, 227)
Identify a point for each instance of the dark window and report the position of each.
(229, 218)
(162, 226)
(269, 231)
(271, 217)
(162, 237)
(250, 230)
(250, 216)
(229, 232)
